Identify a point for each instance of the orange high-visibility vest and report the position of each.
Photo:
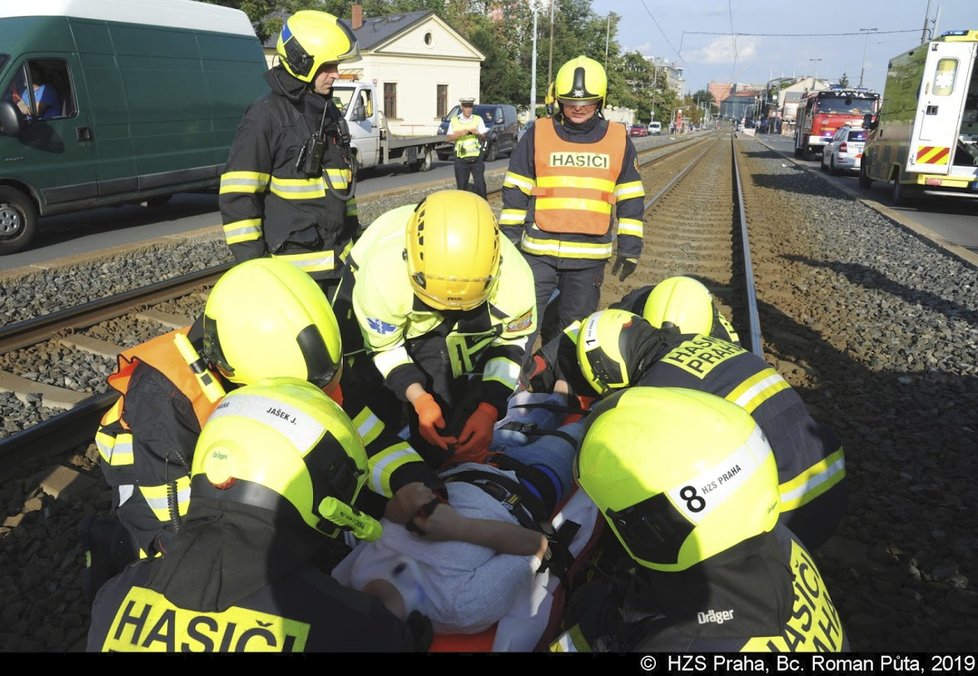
(575, 182)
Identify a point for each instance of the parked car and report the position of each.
(845, 150)
(500, 119)
(638, 130)
(655, 128)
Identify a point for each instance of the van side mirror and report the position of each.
(868, 121)
(10, 122)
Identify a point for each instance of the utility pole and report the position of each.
(607, 39)
(533, 68)
(924, 37)
(862, 68)
(815, 68)
(550, 58)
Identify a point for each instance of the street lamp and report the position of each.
(815, 69)
(862, 68)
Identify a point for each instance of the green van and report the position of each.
(107, 102)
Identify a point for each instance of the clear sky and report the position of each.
(668, 29)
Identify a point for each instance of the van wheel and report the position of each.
(900, 192)
(18, 220)
(832, 169)
(864, 180)
(491, 153)
(424, 161)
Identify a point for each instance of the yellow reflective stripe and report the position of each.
(586, 182)
(115, 450)
(574, 204)
(814, 481)
(555, 247)
(351, 208)
(298, 188)
(155, 497)
(512, 216)
(573, 330)
(384, 464)
(315, 261)
(388, 360)
(368, 426)
(757, 389)
(525, 184)
(243, 181)
(243, 231)
(571, 641)
(629, 190)
(503, 371)
(630, 226)
(339, 178)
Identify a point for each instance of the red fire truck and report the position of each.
(821, 113)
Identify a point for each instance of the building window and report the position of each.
(427, 39)
(442, 103)
(390, 100)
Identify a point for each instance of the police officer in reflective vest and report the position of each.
(689, 488)
(569, 177)
(275, 472)
(617, 349)
(288, 185)
(468, 131)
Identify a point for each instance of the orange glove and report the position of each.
(430, 420)
(476, 434)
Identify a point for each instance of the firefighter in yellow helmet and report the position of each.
(617, 349)
(288, 185)
(443, 307)
(275, 473)
(569, 177)
(264, 318)
(688, 486)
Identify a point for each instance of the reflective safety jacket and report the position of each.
(562, 188)
(489, 340)
(221, 589)
(146, 441)
(467, 145)
(762, 595)
(269, 204)
(809, 455)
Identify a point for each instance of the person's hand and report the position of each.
(430, 420)
(473, 442)
(625, 265)
(443, 523)
(407, 501)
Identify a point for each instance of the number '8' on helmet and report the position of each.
(581, 80)
(452, 250)
(266, 318)
(282, 445)
(310, 38)
(683, 302)
(613, 348)
(679, 475)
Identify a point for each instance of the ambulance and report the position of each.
(925, 137)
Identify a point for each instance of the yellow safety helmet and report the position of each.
(310, 38)
(614, 347)
(266, 318)
(682, 302)
(452, 250)
(283, 445)
(679, 475)
(581, 80)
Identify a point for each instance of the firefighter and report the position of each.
(275, 472)
(288, 185)
(437, 296)
(618, 349)
(568, 178)
(688, 486)
(681, 302)
(468, 131)
(263, 318)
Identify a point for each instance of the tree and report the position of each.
(844, 81)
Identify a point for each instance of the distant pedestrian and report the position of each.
(469, 131)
